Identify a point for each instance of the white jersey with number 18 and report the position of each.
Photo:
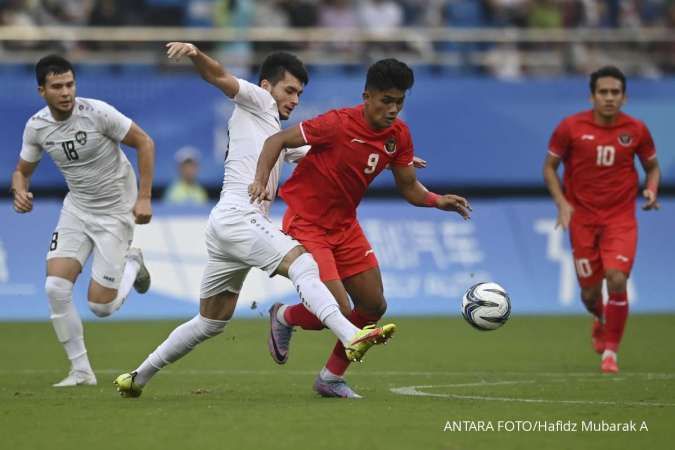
(86, 149)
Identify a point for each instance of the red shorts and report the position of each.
(339, 253)
(597, 248)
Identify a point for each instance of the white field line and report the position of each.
(418, 392)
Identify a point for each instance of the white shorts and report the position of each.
(238, 238)
(109, 236)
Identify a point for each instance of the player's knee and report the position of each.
(58, 289)
(616, 280)
(590, 296)
(303, 266)
(375, 309)
(101, 309)
(346, 310)
(211, 327)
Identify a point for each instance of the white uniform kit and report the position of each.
(239, 234)
(97, 212)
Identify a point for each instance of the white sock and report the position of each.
(179, 343)
(304, 273)
(131, 269)
(607, 353)
(66, 321)
(280, 315)
(327, 375)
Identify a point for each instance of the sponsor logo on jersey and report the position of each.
(587, 137)
(358, 141)
(81, 137)
(390, 146)
(625, 139)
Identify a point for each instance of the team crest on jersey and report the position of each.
(390, 146)
(625, 139)
(81, 137)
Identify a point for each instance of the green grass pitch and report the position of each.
(436, 372)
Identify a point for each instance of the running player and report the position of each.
(597, 203)
(239, 235)
(349, 148)
(83, 138)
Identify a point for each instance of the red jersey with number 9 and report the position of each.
(600, 179)
(346, 156)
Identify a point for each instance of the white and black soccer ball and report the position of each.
(486, 306)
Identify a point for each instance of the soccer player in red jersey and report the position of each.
(349, 148)
(597, 202)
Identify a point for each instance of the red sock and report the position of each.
(338, 362)
(616, 313)
(298, 315)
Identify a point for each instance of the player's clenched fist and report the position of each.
(258, 192)
(650, 200)
(176, 50)
(23, 201)
(142, 211)
(450, 202)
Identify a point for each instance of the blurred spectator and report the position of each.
(339, 14)
(186, 189)
(63, 12)
(301, 14)
(380, 15)
(508, 13)
(544, 14)
(269, 14)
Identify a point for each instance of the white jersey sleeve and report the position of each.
(294, 155)
(31, 150)
(252, 97)
(111, 122)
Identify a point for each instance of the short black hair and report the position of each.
(388, 74)
(51, 64)
(277, 63)
(608, 71)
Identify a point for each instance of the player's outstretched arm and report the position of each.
(145, 146)
(565, 210)
(416, 194)
(653, 178)
(209, 69)
(23, 198)
(288, 138)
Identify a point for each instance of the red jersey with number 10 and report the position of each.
(600, 179)
(346, 156)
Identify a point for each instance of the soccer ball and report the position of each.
(486, 306)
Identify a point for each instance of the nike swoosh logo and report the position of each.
(369, 252)
(358, 141)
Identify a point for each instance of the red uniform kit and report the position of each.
(327, 186)
(601, 183)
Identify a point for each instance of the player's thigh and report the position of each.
(222, 275)
(247, 236)
(618, 245)
(353, 253)
(314, 240)
(219, 306)
(69, 247)
(112, 237)
(585, 241)
(367, 291)
(66, 268)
